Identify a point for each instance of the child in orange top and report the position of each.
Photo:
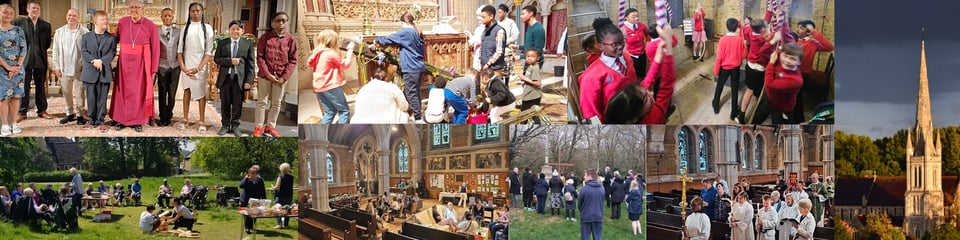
(729, 56)
(782, 82)
(328, 81)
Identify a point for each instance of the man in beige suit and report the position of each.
(66, 64)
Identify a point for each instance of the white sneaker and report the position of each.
(5, 131)
(16, 128)
(574, 220)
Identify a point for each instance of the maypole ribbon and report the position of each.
(623, 10)
(669, 11)
(661, 12)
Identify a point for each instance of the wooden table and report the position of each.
(462, 196)
(243, 231)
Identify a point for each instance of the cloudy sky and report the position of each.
(878, 64)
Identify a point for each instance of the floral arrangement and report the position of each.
(415, 9)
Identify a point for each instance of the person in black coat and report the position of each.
(556, 194)
(253, 187)
(529, 183)
(541, 192)
(616, 197)
(607, 180)
(498, 95)
(515, 188)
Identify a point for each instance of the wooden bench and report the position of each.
(395, 236)
(365, 221)
(340, 228)
(823, 233)
(426, 233)
(663, 226)
(311, 230)
(667, 226)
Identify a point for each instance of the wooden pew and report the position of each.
(340, 228)
(663, 226)
(667, 226)
(395, 236)
(823, 233)
(365, 221)
(310, 228)
(426, 233)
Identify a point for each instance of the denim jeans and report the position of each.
(334, 102)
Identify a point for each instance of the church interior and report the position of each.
(254, 14)
(446, 26)
(765, 158)
(695, 83)
(369, 181)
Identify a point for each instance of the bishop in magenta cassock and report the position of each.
(132, 101)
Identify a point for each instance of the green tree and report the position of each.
(879, 225)
(943, 232)
(155, 156)
(861, 152)
(231, 157)
(16, 154)
(950, 155)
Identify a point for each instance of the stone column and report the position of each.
(316, 144)
(790, 150)
(726, 157)
(265, 21)
(826, 140)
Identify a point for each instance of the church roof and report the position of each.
(883, 191)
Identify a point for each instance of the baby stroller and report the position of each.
(199, 197)
(65, 215)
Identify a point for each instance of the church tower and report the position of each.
(924, 195)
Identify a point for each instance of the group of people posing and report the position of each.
(146, 54)
(609, 188)
(450, 100)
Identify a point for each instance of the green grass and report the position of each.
(212, 223)
(530, 225)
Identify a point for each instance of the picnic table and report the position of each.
(244, 213)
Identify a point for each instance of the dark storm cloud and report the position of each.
(880, 21)
(878, 47)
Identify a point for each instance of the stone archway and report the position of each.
(367, 160)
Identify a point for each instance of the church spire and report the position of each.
(924, 128)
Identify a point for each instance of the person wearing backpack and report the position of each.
(570, 197)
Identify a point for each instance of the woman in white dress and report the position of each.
(380, 102)
(697, 226)
(194, 52)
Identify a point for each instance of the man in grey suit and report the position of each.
(98, 48)
(168, 77)
(235, 56)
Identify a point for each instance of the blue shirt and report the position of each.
(411, 49)
(77, 184)
(135, 187)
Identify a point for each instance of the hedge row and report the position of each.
(64, 176)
